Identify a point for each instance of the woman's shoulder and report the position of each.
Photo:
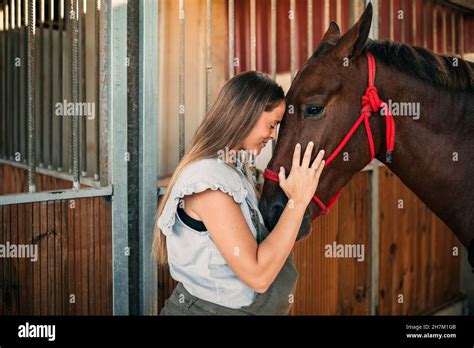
(210, 170)
(199, 176)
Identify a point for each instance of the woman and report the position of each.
(209, 229)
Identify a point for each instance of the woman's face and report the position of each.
(264, 130)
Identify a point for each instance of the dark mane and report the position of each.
(421, 63)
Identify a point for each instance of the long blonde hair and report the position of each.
(228, 122)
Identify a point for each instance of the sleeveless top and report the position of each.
(193, 257)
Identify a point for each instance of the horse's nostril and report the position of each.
(275, 212)
(272, 204)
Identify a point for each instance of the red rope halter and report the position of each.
(370, 103)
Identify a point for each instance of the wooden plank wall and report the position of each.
(416, 258)
(15, 180)
(74, 253)
(336, 285)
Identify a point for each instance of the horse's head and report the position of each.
(323, 103)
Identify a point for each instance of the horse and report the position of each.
(432, 153)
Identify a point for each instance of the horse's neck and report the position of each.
(434, 155)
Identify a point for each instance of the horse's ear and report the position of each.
(332, 34)
(330, 39)
(351, 43)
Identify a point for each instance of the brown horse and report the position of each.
(434, 148)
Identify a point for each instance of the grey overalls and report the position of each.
(277, 300)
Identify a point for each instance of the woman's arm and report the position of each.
(258, 265)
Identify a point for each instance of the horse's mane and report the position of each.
(419, 62)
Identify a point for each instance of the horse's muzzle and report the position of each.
(272, 209)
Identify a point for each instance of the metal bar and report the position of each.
(2, 78)
(453, 33)
(97, 91)
(181, 79)
(391, 21)
(61, 82)
(23, 80)
(293, 39)
(133, 129)
(231, 38)
(339, 13)
(458, 33)
(12, 80)
(375, 27)
(45, 196)
(414, 23)
(444, 36)
(11, 69)
(148, 111)
(253, 36)
(326, 15)
(274, 48)
(425, 24)
(374, 240)
(310, 27)
(15, 80)
(75, 70)
(50, 81)
(8, 69)
(52, 173)
(209, 56)
(116, 54)
(462, 35)
(274, 38)
(19, 84)
(353, 13)
(402, 22)
(374, 183)
(83, 92)
(104, 92)
(435, 31)
(31, 57)
(41, 82)
(70, 123)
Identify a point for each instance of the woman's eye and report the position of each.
(313, 110)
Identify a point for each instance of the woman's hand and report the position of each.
(302, 182)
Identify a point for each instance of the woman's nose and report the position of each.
(273, 134)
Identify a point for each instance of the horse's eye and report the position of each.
(313, 110)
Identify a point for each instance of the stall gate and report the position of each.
(78, 103)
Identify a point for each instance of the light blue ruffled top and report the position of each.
(193, 257)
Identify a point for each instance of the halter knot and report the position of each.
(371, 101)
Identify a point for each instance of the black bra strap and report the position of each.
(189, 221)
